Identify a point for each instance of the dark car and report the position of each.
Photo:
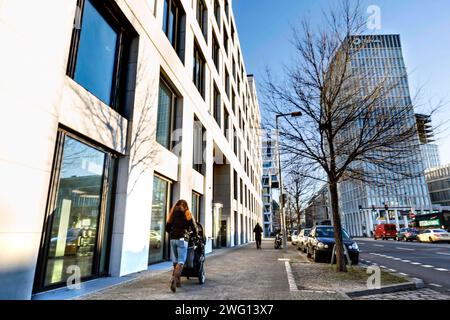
(321, 242)
(407, 234)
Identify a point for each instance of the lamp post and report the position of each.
(283, 218)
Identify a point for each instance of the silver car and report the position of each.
(302, 239)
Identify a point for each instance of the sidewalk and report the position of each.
(242, 273)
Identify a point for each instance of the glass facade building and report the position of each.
(363, 205)
(438, 180)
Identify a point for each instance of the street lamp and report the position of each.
(283, 218)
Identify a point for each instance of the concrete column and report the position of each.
(360, 223)
(396, 220)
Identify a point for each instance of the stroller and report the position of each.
(195, 260)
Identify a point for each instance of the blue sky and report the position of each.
(264, 28)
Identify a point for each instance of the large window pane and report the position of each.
(76, 215)
(161, 195)
(96, 54)
(164, 120)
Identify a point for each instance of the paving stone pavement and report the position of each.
(245, 273)
(422, 294)
(237, 274)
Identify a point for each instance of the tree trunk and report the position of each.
(340, 260)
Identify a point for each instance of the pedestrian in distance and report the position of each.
(179, 225)
(258, 231)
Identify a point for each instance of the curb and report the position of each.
(409, 286)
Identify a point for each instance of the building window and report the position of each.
(233, 102)
(217, 11)
(226, 123)
(245, 195)
(195, 207)
(166, 119)
(174, 26)
(202, 17)
(227, 83)
(225, 40)
(233, 32)
(227, 9)
(160, 207)
(235, 185)
(217, 106)
(241, 189)
(99, 50)
(199, 146)
(199, 70)
(216, 52)
(235, 141)
(78, 215)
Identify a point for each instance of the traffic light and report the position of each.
(360, 207)
(386, 207)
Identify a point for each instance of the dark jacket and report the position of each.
(258, 230)
(180, 227)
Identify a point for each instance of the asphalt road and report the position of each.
(429, 262)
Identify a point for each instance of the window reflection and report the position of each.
(76, 214)
(161, 196)
(96, 54)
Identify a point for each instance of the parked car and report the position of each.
(434, 235)
(321, 242)
(302, 239)
(407, 234)
(294, 237)
(385, 232)
(155, 239)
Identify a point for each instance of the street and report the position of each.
(429, 262)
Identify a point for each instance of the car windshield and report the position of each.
(329, 233)
(307, 232)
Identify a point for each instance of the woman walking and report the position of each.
(179, 224)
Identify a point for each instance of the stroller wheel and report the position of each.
(201, 275)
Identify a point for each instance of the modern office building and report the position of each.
(111, 112)
(363, 206)
(270, 184)
(428, 148)
(438, 180)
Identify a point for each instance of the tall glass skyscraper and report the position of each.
(363, 205)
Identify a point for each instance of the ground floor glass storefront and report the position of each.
(160, 207)
(76, 232)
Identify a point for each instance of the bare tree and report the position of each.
(356, 124)
(299, 188)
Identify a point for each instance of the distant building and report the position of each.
(382, 57)
(429, 149)
(270, 181)
(438, 180)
